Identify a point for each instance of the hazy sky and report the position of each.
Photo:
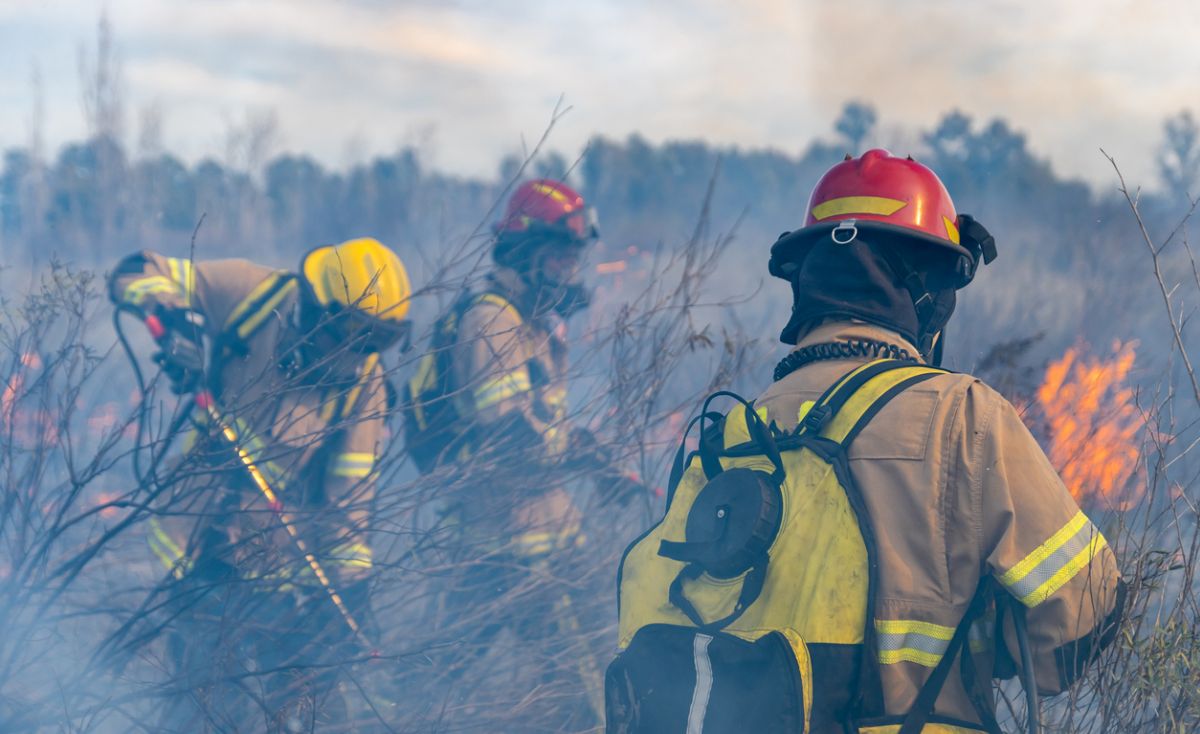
(348, 78)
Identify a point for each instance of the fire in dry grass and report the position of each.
(1092, 424)
(611, 268)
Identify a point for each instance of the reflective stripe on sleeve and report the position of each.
(502, 388)
(352, 464)
(352, 555)
(906, 640)
(167, 550)
(1055, 562)
(543, 542)
(184, 276)
(142, 288)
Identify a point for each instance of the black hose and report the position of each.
(149, 478)
(1028, 678)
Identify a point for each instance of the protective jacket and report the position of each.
(958, 508)
(312, 424)
(508, 381)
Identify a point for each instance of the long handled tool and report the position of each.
(204, 401)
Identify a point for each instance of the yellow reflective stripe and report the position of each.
(353, 464)
(542, 542)
(1055, 562)
(503, 303)
(908, 640)
(248, 326)
(534, 544)
(907, 626)
(328, 408)
(1043, 551)
(368, 367)
(355, 555)
(502, 388)
(257, 292)
(140, 289)
(909, 655)
(248, 321)
(168, 551)
(184, 276)
(1077, 563)
(878, 205)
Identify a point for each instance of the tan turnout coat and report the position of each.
(955, 485)
(509, 364)
(315, 431)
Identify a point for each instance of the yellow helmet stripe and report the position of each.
(879, 205)
(951, 229)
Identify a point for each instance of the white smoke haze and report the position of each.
(1074, 75)
(434, 96)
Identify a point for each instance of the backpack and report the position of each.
(434, 427)
(730, 619)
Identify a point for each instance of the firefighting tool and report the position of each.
(723, 602)
(204, 401)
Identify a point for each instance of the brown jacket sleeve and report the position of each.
(145, 280)
(491, 368)
(1039, 545)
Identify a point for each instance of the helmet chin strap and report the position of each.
(932, 354)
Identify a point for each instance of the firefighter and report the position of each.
(874, 539)
(262, 525)
(493, 386)
(486, 411)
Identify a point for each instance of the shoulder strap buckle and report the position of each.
(817, 418)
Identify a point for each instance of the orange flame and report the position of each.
(1092, 423)
(105, 498)
(611, 268)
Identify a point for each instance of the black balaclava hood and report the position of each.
(855, 281)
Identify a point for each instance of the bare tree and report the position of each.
(1179, 158)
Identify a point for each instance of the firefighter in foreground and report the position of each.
(486, 412)
(872, 541)
(262, 525)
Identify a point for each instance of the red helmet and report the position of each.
(546, 207)
(877, 191)
(542, 211)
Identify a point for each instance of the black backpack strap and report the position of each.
(830, 435)
(922, 707)
(840, 392)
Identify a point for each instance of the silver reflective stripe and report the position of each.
(704, 681)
